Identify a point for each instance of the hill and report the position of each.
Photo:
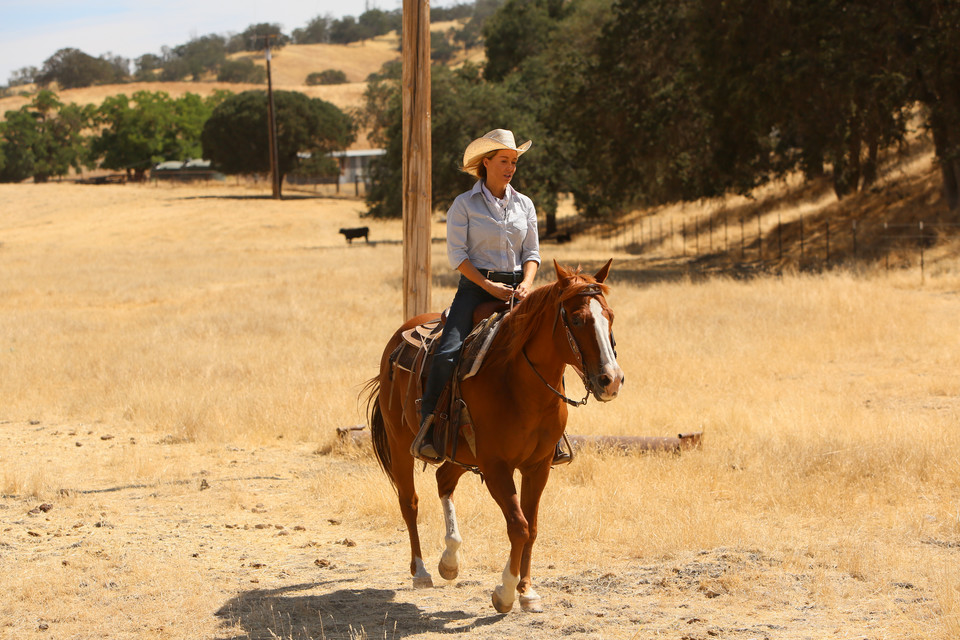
(289, 68)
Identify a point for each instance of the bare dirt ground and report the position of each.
(242, 536)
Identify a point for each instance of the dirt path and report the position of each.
(144, 537)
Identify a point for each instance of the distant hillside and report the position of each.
(289, 67)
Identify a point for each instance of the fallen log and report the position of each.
(681, 442)
(359, 435)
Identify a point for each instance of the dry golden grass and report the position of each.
(174, 362)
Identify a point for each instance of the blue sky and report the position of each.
(33, 30)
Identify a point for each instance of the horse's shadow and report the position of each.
(288, 612)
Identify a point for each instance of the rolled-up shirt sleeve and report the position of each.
(457, 227)
(530, 250)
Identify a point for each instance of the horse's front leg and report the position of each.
(504, 492)
(531, 489)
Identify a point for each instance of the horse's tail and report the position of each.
(378, 430)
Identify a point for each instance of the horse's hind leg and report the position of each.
(409, 504)
(447, 477)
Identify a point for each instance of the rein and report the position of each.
(571, 402)
(589, 290)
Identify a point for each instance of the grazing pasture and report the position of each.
(175, 360)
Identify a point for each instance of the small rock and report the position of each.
(204, 484)
(323, 562)
(43, 626)
(299, 527)
(333, 521)
(45, 507)
(106, 437)
(347, 542)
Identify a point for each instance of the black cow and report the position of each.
(356, 232)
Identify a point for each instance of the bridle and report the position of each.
(589, 290)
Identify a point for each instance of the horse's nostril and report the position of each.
(605, 380)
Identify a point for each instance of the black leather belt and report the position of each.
(504, 277)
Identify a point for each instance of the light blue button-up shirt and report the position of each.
(490, 237)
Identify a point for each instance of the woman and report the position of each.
(492, 241)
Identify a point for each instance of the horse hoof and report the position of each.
(422, 582)
(531, 604)
(499, 604)
(448, 573)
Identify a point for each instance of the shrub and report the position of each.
(242, 71)
(330, 76)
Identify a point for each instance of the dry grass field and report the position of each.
(174, 362)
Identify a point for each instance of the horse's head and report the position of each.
(587, 330)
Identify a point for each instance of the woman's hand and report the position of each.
(499, 291)
(522, 290)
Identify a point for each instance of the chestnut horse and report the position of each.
(519, 413)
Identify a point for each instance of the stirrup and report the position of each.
(562, 456)
(420, 448)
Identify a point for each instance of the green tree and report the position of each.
(195, 58)
(148, 66)
(519, 29)
(152, 127)
(441, 48)
(464, 107)
(255, 37)
(22, 76)
(317, 31)
(43, 139)
(346, 30)
(327, 76)
(244, 70)
(929, 45)
(235, 137)
(72, 68)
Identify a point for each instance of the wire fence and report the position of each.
(806, 242)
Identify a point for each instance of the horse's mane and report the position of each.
(520, 324)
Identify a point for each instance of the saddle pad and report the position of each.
(477, 344)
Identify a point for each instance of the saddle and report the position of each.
(414, 354)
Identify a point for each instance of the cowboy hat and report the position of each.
(491, 141)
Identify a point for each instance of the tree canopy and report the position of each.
(71, 68)
(235, 137)
(135, 134)
(43, 139)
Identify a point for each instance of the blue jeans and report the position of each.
(458, 326)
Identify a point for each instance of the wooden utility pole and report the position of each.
(417, 186)
(272, 131)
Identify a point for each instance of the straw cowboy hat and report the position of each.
(491, 141)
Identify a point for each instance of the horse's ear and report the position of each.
(561, 272)
(604, 271)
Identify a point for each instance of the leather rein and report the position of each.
(589, 290)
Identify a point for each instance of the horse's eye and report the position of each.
(577, 322)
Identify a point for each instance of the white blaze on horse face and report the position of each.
(608, 360)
